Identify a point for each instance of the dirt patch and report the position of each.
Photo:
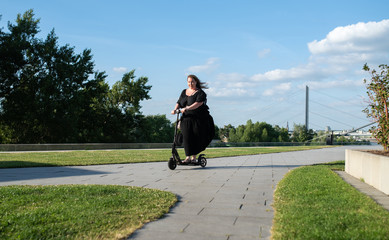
(378, 152)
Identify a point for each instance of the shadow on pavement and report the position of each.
(20, 174)
(235, 167)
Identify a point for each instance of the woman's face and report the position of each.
(191, 83)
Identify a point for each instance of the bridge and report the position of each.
(320, 110)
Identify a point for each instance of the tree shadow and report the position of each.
(236, 167)
(23, 164)
(47, 171)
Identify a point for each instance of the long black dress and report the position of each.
(197, 125)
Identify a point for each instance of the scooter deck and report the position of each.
(192, 163)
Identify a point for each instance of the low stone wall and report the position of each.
(107, 146)
(81, 146)
(373, 169)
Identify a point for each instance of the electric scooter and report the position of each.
(175, 159)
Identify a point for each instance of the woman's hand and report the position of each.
(175, 111)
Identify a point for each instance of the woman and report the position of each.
(197, 125)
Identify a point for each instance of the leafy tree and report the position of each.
(283, 134)
(217, 133)
(156, 129)
(343, 139)
(93, 118)
(301, 134)
(248, 134)
(49, 93)
(127, 93)
(270, 134)
(44, 88)
(124, 106)
(257, 132)
(4, 134)
(240, 132)
(377, 109)
(225, 131)
(234, 135)
(265, 136)
(321, 136)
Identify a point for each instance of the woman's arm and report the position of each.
(175, 108)
(192, 107)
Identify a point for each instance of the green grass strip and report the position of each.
(82, 158)
(78, 211)
(313, 202)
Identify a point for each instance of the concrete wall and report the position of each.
(103, 146)
(372, 168)
(81, 146)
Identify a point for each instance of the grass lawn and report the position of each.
(313, 202)
(80, 158)
(78, 211)
(89, 211)
(310, 202)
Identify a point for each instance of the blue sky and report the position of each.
(256, 56)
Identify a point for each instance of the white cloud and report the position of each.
(120, 69)
(277, 90)
(211, 64)
(231, 85)
(344, 50)
(356, 38)
(332, 84)
(335, 62)
(229, 92)
(301, 72)
(234, 80)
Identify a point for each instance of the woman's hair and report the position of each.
(199, 84)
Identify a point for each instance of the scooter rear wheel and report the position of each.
(172, 163)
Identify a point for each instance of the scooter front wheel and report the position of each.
(172, 163)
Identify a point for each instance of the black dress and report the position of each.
(197, 125)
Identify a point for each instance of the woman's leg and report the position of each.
(187, 159)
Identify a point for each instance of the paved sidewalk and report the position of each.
(378, 196)
(231, 198)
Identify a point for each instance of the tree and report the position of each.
(270, 135)
(50, 94)
(127, 93)
(301, 134)
(217, 133)
(45, 89)
(265, 135)
(321, 136)
(377, 109)
(343, 139)
(224, 132)
(94, 110)
(283, 134)
(156, 129)
(124, 106)
(240, 133)
(257, 132)
(248, 134)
